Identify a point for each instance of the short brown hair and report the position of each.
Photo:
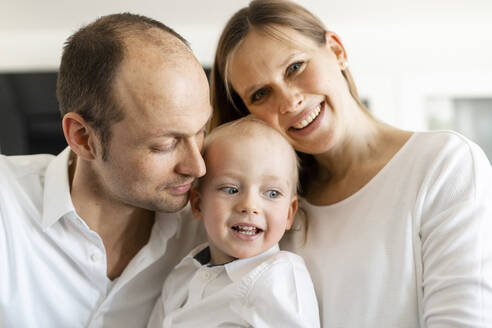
(91, 57)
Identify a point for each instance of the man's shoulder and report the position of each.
(20, 166)
(23, 169)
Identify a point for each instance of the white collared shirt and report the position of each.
(272, 289)
(53, 266)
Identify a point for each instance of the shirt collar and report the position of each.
(239, 268)
(56, 197)
(165, 226)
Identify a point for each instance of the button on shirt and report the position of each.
(272, 289)
(53, 266)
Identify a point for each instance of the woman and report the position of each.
(399, 222)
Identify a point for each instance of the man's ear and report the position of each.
(79, 135)
(195, 204)
(335, 44)
(292, 212)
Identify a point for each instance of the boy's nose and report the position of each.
(248, 204)
(249, 210)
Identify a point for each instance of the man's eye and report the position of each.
(293, 68)
(272, 193)
(230, 190)
(163, 148)
(258, 95)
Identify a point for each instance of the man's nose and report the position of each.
(191, 161)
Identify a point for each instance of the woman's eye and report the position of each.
(272, 193)
(230, 190)
(293, 68)
(258, 95)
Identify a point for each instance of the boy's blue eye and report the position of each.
(230, 190)
(272, 193)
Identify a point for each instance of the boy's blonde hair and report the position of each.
(250, 126)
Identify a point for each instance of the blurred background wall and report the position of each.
(419, 64)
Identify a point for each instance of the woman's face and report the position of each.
(297, 87)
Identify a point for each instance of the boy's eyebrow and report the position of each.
(277, 178)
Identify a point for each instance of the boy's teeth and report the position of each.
(247, 230)
(305, 122)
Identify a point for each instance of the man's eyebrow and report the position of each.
(163, 133)
(175, 133)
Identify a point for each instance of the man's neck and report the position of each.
(123, 229)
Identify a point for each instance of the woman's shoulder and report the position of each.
(444, 141)
(445, 151)
(453, 167)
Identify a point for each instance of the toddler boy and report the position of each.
(247, 200)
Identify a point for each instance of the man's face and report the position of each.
(154, 152)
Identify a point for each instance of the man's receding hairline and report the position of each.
(153, 37)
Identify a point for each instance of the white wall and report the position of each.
(400, 51)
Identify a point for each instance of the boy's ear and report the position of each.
(292, 212)
(195, 204)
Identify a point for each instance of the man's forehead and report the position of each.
(165, 43)
(174, 125)
(179, 127)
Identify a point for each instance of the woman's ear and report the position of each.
(335, 44)
(79, 135)
(292, 212)
(195, 204)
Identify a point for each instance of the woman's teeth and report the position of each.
(247, 230)
(305, 122)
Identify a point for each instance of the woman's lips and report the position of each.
(311, 122)
(308, 118)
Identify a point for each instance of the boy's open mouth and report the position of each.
(248, 230)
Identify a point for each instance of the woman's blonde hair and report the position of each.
(264, 16)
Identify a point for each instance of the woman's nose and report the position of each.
(290, 100)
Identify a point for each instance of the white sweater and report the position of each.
(413, 247)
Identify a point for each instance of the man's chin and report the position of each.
(172, 204)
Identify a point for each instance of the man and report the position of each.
(85, 240)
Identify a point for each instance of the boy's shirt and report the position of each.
(272, 289)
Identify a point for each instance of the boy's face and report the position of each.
(247, 198)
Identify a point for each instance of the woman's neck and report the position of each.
(365, 147)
